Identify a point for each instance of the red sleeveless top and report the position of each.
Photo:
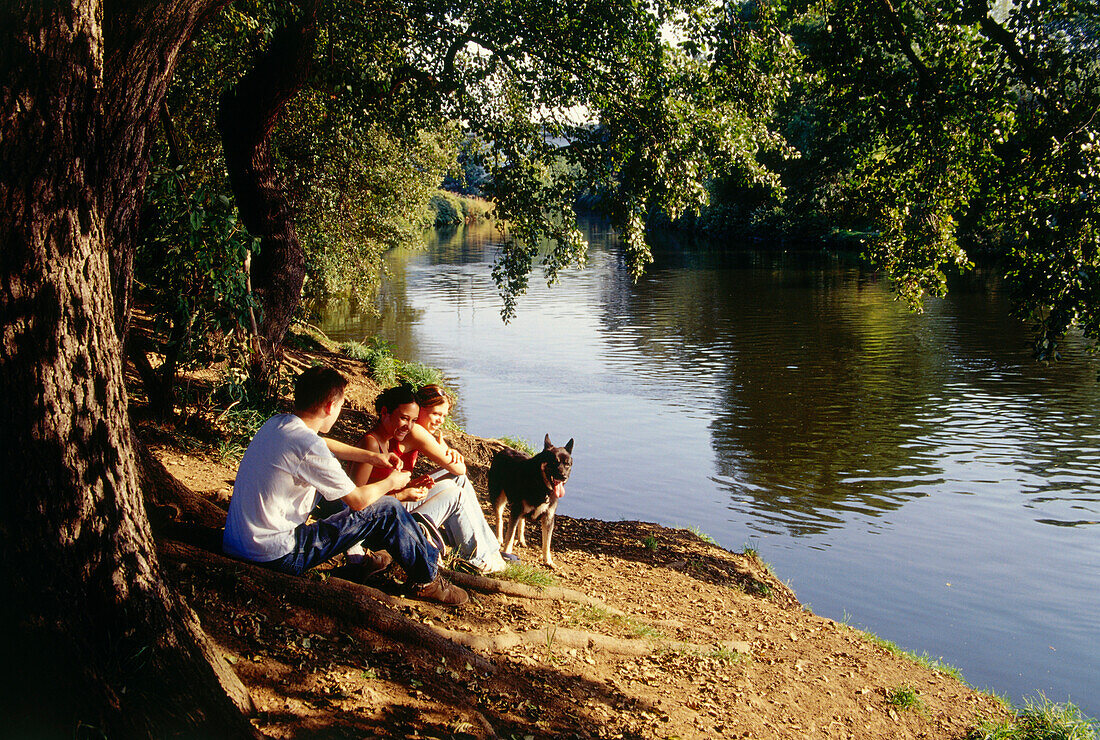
(408, 460)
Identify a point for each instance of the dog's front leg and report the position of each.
(515, 521)
(498, 506)
(547, 533)
(522, 529)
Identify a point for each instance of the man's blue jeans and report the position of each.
(384, 525)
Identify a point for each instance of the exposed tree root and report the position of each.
(512, 588)
(568, 638)
(342, 600)
(169, 501)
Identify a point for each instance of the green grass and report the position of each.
(419, 375)
(751, 551)
(452, 208)
(239, 424)
(702, 535)
(229, 451)
(923, 659)
(387, 370)
(377, 355)
(645, 631)
(518, 443)
(1040, 720)
(530, 574)
(761, 588)
(905, 697)
(584, 615)
(650, 543)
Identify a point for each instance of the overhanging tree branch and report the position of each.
(246, 118)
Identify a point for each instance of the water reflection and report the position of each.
(919, 471)
(824, 398)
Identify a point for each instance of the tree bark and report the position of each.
(93, 640)
(143, 42)
(248, 114)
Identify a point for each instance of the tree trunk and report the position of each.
(246, 118)
(93, 640)
(143, 41)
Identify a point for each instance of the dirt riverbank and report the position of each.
(653, 633)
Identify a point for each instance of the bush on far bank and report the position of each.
(447, 208)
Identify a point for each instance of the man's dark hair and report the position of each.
(316, 386)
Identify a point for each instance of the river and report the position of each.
(918, 476)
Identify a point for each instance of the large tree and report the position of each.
(101, 643)
(95, 641)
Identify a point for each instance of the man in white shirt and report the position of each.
(288, 464)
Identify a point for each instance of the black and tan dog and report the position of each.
(531, 487)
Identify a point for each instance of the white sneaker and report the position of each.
(354, 555)
(494, 563)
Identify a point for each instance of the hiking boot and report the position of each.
(443, 592)
(374, 563)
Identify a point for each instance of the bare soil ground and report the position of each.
(683, 639)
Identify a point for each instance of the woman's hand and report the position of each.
(398, 479)
(452, 455)
(410, 494)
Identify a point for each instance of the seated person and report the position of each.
(451, 504)
(288, 464)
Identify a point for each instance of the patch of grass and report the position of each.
(1004, 700)
(238, 424)
(723, 655)
(650, 543)
(307, 337)
(905, 697)
(753, 553)
(419, 375)
(645, 631)
(1040, 720)
(229, 451)
(591, 615)
(387, 370)
(377, 355)
(702, 535)
(518, 443)
(761, 588)
(529, 574)
(923, 659)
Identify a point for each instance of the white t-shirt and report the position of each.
(286, 465)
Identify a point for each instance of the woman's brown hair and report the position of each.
(433, 395)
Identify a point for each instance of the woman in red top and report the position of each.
(409, 430)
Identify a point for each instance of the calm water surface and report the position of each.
(917, 475)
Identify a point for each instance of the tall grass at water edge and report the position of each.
(1040, 719)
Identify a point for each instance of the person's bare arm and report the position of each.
(436, 451)
(365, 495)
(351, 453)
(360, 472)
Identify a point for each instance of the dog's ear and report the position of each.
(569, 446)
(547, 443)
